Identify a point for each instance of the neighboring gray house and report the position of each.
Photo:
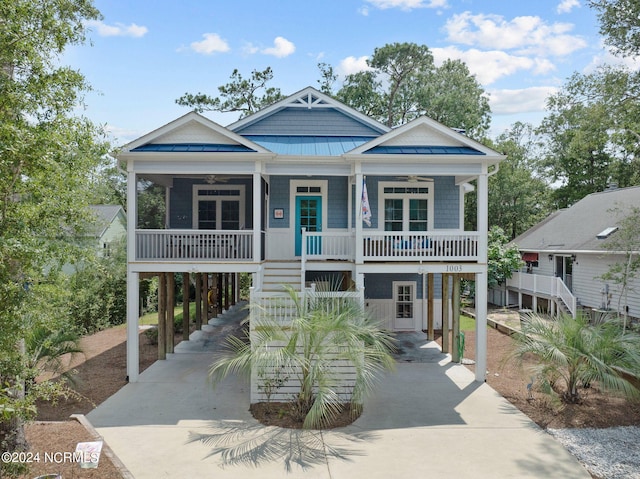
(566, 256)
(309, 188)
(110, 225)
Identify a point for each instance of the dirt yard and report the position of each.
(97, 374)
(101, 371)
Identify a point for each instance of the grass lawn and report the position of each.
(152, 318)
(467, 323)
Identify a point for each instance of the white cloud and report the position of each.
(351, 65)
(565, 6)
(405, 4)
(117, 30)
(212, 43)
(525, 34)
(281, 48)
(489, 66)
(526, 100)
(250, 49)
(608, 58)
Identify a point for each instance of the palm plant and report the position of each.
(45, 350)
(573, 353)
(322, 330)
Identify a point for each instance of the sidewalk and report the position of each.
(429, 418)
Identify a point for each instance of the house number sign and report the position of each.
(454, 268)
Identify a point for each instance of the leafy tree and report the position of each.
(321, 331)
(362, 91)
(327, 78)
(620, 24)
(100, 290)
(593, 133)
(518, 199)
(239, 95)
(626, 241)
(454, 97)
(109, 186)
(403, 83)
(502, 258)
(402, 66)
(151, 205)
(571, 354)
(47, 156)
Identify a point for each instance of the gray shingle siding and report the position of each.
(338, 202)
(279, 198)
(301, 121)
(447, 203)
(379, 285)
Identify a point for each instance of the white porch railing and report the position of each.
(188, 245)
(429, 245)
(392, 246)
(546, 285)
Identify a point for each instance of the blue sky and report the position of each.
(144, 54)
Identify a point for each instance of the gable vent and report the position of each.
(607, 232)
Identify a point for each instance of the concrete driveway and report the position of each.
(429, 418)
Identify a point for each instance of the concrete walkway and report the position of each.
(427, 419)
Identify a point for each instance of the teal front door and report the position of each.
(308, 216)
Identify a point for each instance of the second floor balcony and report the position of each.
(188, 245)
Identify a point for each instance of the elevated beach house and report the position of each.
(309, 190)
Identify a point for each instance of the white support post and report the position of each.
(481, 327)
(257, 214)
(358, 201)
(133, 346)
(133, 292)
(303, 259)
(132, 215)
(481, 278)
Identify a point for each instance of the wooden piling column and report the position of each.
(198, 301)
(215, 285)
(205, 299)
(455, 356)
(185, 306)
(219, 295)
(162, 316)
(171, 302)
(445, 313)
(430, 315)
(232, 291)
(225, 291)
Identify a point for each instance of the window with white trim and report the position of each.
(404, 298)
(218, 207)
(406, 208)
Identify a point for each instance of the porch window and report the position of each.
(406, 208)
(218, 207)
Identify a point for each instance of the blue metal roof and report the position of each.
(424, 150)
(309, 145)
(194, 147)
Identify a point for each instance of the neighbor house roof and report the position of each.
(577, 229)
(105, 214)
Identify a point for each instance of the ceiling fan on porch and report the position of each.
(212, 179)
(414, 178)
